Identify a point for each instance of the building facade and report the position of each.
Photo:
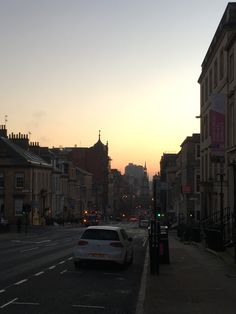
(188, 180)
(217, 115)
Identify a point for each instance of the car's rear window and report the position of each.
(99, 234)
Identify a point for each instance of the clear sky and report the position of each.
(129, 68)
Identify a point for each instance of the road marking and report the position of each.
(3, 290)
(89, 306)
(144, 241)
(20, 282)
(52, 267)
(70, 258)
(6, 304)
(62, 262)
(39, 273)
(27, 303)
(142, 290)
(31, 249)
(43, 241)
(64, 271)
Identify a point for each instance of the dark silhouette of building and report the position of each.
(95, 160)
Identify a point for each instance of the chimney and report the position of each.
(21, 140)
(3, 131)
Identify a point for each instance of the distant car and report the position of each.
(104, 243)
(133, 219)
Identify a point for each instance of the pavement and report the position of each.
(165, 293)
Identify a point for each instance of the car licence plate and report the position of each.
(97, 254)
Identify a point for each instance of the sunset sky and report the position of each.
(129, 68)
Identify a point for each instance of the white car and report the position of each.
(104, 243)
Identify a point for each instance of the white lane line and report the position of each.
(20, 282)
(89, 306)
(43, 241)
(142, 290)
(64, 271)
(52, 267)
(6, 304)
(62, 262)
(3, 290)
(27, 303)
(70, 258)
(39, 273)
(31, 249)
(144, 241)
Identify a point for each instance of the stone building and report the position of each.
(25, 180)
(218, 132)
(188, 180)
(168, 168)
(96, 161)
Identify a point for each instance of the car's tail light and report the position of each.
(82, 242)
(116, 244)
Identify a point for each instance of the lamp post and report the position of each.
(233, 164)
(221, 175)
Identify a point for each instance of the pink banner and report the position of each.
(217, 125)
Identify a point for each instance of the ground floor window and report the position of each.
(2, 207)
(18, 206)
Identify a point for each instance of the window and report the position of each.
(19, 180)
(231, 128)
(197, 151)
(215, 73)
(202, 168)
(202, 94)
(231, 67)
(2, 207)
(202, 130)
(18, 206)
(206, 167)
(197, 183)
(100, 234)
(206, 126)
(2, 183)
(221, 64)
(210, 81)
(206, 88)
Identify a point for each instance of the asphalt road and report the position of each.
(37, 275)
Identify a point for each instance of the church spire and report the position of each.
(99, 135)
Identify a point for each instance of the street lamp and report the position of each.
(233, 164)
(221, 175)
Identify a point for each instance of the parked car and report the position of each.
(104, 243)
(133, 219)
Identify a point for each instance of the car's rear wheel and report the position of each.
(125, 262)
(77, 264)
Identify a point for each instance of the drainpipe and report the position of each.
(234, 213)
